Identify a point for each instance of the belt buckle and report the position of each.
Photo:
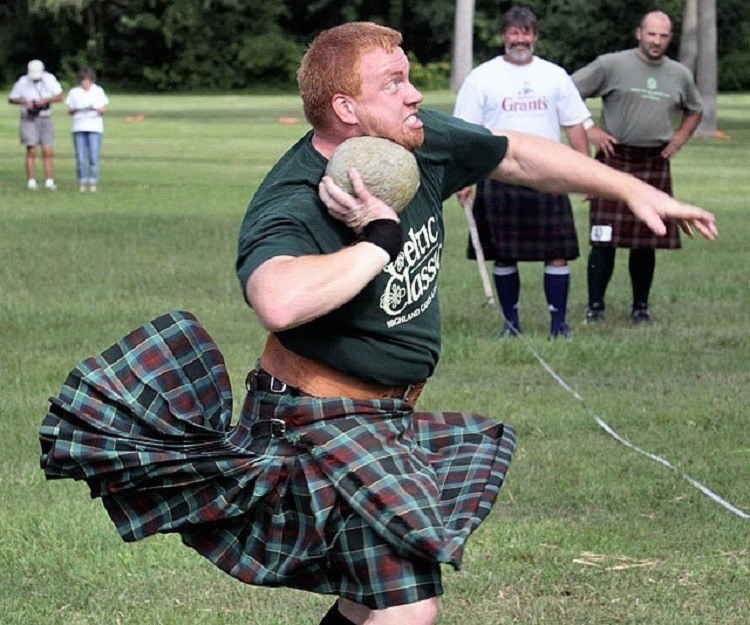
(275, 428)
(407, 391)
(282, 385)
(251, 384)
(278, 427)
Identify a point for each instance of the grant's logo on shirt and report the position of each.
(412, 283)
(525, 100)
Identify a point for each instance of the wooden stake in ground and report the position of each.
(468, 206)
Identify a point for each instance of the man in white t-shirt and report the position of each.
(35, 91)
(522, 92)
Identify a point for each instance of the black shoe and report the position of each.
(594, 313)
(510, 331)
(563, 332)
(639, 314)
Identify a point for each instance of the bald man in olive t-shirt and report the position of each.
(641, 89)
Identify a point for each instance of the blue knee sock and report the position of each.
(508, 284)
(556, 287)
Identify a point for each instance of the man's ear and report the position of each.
(344, 109)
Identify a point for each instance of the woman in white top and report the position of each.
(86, 104)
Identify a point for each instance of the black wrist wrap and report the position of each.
(384, 233)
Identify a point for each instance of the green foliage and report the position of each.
(269, 54)
(734, 71)
(429, 76)
(222, 43)
(227, 44)
(734, 47)
(428, 29)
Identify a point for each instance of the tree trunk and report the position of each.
(689, 36)
(706, 66)
(463, 42)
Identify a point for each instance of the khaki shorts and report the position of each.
(37, 131)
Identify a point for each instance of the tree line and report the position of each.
(186, 45)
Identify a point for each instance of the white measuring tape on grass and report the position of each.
(602, 424)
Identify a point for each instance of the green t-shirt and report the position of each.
(389, 332)
(638, 98)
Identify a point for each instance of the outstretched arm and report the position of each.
(555, 168)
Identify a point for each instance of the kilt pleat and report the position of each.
(515, 222)
(147, 424)
(648, 165)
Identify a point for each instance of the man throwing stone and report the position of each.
(640, 89)
(330, 482)
(520, 91)
(354, 312)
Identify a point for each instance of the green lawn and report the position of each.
(77, 271)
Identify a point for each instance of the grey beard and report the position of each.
(524, 55)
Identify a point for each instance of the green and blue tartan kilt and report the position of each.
(515, 222)
(358, 498)
(648, 165)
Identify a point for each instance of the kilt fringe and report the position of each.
(147, 425)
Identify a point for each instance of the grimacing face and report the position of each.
(388, 103)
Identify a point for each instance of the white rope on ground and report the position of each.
(603, 424)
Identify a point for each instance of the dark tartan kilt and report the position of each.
(519, 223)
(359, 498)
(646, 164)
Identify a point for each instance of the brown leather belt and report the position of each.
(319, 380)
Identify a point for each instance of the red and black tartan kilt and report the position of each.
(362, 499)
(646, 164)
(519, 223)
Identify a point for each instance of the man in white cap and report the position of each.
(35, 92)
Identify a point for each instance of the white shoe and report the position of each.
(32, 185)
(82, 188)
(50, 184)
(92, 188)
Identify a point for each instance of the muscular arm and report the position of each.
(680, 136)
(287, 291)
(554, 168)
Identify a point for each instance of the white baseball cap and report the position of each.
(35, 69)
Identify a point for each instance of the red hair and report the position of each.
(331, 65)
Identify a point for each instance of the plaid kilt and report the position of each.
(349, 488)
(519, 223)
(646, 164)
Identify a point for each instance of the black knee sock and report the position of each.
(641, 265)
(600, 267)
(334, 617)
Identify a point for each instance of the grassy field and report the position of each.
(586, 531)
